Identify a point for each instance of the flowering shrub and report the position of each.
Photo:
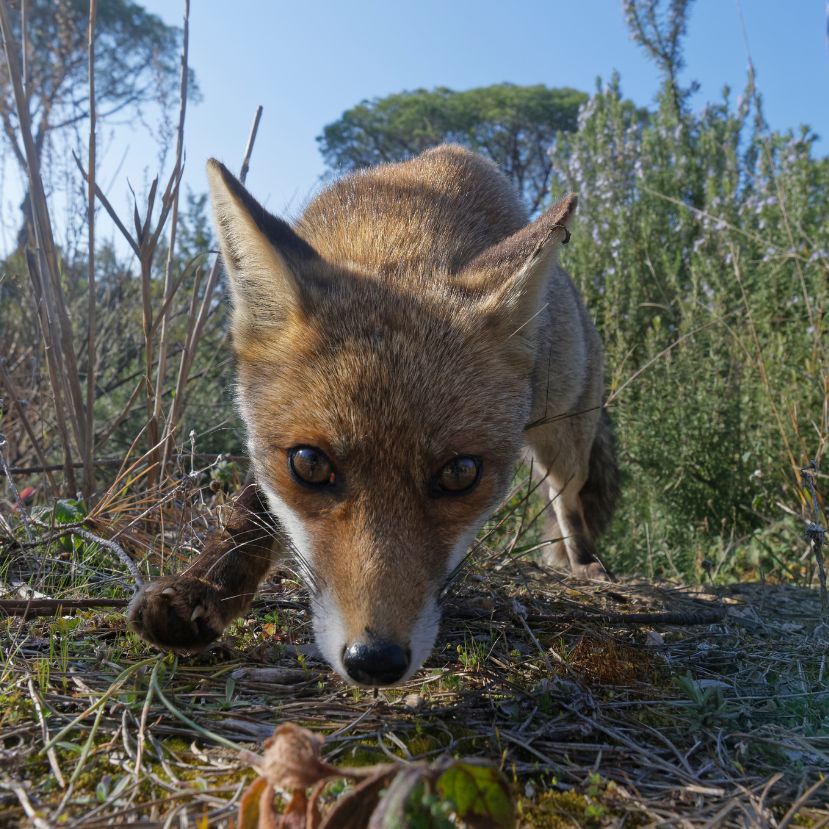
(702, 252)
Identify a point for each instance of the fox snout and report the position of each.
(375, 657)
(374, 636)
(375, 537)
(376, 661)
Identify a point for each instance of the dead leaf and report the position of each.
(354, 809)
(294, 815)
(291, 759)
(291, 762)
(256, 806)
(405, 790)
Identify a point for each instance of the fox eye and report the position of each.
(311, 466)
(458, 476)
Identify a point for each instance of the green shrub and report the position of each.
(702, 252)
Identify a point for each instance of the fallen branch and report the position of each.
(680, 618)
(54, 607)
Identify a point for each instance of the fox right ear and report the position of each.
(262, 254)
(510, 278)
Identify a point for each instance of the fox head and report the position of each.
(384, 412)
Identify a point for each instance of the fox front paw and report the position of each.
(595, 570)
(177, 613)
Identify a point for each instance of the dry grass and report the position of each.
(630, 704)
(596, 720)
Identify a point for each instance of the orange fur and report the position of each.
(411, 316)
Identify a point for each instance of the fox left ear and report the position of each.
(510, 278)
(262, 254)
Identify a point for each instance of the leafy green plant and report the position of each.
(703, 253)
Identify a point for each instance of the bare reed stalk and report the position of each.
(27, 427)
(24, 52)
(149, 246)
(44, 270)
(146, 260)
(145, 245)
(161, 370)
(89, 466)
(196, 323)
(53, 368)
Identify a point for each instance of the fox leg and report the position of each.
(554, 550)
(187, 611)
(577, 546)
(577, 458)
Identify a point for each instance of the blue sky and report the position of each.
(307, 62)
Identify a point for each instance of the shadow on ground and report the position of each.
(606, 705)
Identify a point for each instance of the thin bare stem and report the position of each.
(47, 270)
(24, 52)
(21, 413)
(145, 245)
(161, 370)
(51, 348)
(107, 205)
(89, 466)
(54, 607)
(196, 325)
(37, 704)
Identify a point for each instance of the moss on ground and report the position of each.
(596, 721)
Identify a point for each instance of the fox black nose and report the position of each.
(376, 662)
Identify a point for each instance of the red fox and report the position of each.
(398, 348)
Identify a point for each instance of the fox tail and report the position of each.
(601, 490)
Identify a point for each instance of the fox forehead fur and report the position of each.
(410, 316)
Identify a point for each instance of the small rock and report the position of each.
(821, 633)
(414, 702)
(654, 639)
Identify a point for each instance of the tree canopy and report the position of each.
(513, 125)
(136, 58)
(136, 63)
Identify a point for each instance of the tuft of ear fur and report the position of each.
(510, 278)
(262, 254)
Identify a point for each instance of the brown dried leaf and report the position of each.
(256, 806)
(354, 809)
(291, 760)
(313, 816)
(291, 763)
(294, 815)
